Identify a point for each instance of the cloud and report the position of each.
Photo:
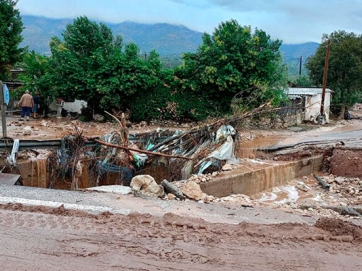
(289, 20)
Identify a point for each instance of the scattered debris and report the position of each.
(342, 210)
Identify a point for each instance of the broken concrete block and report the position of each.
(193, 191)
(227, 167)
(147, 185)
(339, 180)
(27, 130)
(116, 189)
(171, 196)
(208, 198)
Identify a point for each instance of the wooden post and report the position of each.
(3, 109)
(300, 65)
(325, 78)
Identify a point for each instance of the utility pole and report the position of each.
(300, 65)
(3, 109)
(325, 77)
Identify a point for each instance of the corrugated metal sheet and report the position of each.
(296, 93)
(306, 91)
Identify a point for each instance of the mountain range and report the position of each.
(167, 39)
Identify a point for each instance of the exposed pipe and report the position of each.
(321, 182)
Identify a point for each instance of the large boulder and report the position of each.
(146, 184)
(193, 191)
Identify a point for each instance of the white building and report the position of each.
(310, 99)
(75, 107)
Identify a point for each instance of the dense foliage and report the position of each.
(345, 68)
(37, 75)
(233, 60)
(11, 27)
(89, 63)
(80, 64)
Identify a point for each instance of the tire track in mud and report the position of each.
(178, 241)
(174, 227)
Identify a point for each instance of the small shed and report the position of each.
(310, 100)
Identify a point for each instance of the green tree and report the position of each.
(81, 63)
(90, 64)
(345, 68)
(11, 27)
(152, 100)
(36, 76)
(233, 60)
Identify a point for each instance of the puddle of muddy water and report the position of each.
(281, 195)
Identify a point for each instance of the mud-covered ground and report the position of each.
(40, 238)
(56, 128)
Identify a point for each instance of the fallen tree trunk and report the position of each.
(137, 150)
(170, 188)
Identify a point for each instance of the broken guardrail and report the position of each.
(25, 144)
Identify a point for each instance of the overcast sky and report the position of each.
(293, 21)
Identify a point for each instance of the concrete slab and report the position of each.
(253, 181)
(116, 189)
(10, 179)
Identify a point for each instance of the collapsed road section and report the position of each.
(207, 163)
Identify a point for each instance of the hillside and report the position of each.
(292, 52)
(167, 39)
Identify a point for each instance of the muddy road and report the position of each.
(41, 238)
(174, 237)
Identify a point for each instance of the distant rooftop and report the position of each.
(294, 93)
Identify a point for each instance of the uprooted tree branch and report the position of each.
(181, 152)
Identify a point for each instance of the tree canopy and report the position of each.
(37, 75)
(80, 62)
(89, 63)
(232, 60)
(11, 27)
(345, 67)
(93, 65)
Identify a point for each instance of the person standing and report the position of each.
(26, 103)
(36, 104)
